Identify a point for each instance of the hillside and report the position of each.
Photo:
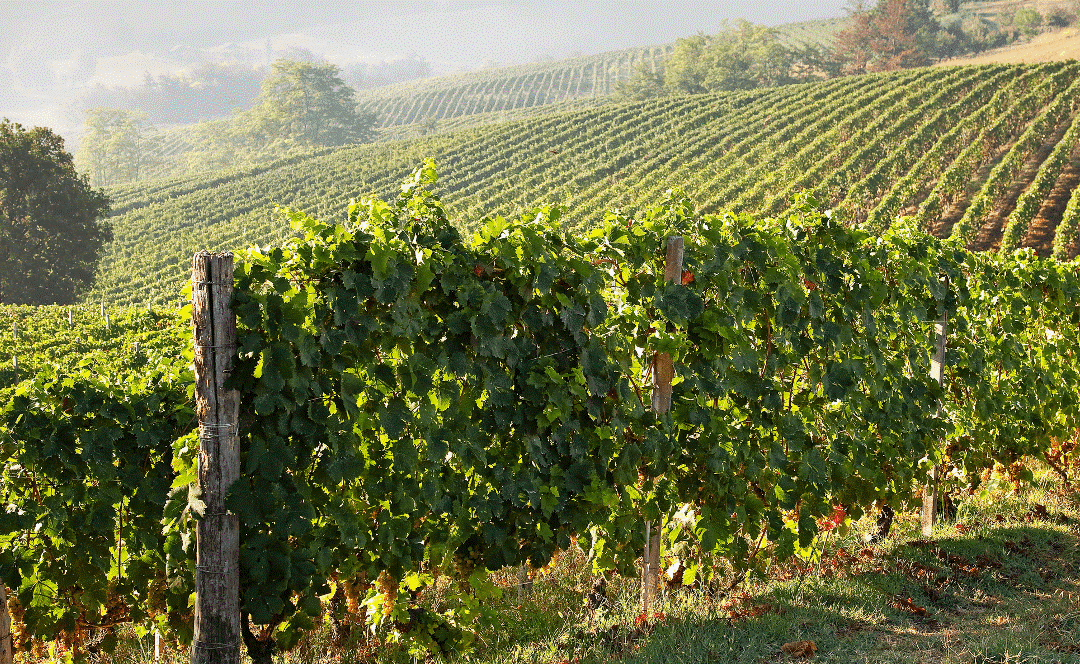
(505, 88)
(437, 104)
(1052, 46)
(958, 146)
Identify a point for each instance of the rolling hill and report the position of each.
(445, 103)
(957, 146)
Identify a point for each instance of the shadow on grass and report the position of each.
(1004, 594)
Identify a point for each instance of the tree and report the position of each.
(52, 228)
(1028, 21)
(118, 146)
(741, 57)
(895, 34)
(644, 83)
(308, 104)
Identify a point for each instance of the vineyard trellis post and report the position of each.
(663, 371)
(937, 365)
(217, 558)
(5, 629)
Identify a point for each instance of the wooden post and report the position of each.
(937, 366)
(217, 557)
(663, 372)
(5, 629)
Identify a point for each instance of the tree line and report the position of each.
(891, 35)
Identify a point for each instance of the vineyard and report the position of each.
(506, 88)
(418, 409)
(987, 154)
(499, 94)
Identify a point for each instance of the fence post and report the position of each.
(663, 372)
(5, 629)
(937, 365)
(217, 558)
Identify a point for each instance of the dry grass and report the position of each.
(1062, 44)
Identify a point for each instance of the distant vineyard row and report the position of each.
(969, 150)
(506, 88)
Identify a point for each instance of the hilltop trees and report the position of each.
(51, 226)
(741, 57)
(119, 146)
(308, 104)
(302, 105)
(895, 34)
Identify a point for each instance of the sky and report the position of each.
(50, 50)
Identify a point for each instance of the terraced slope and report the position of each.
(505, 88)
(959, 147)
(445, 103)
(575, 82)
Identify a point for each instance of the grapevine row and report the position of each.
(415, 405)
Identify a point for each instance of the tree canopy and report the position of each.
(308, 104)
(740, 57)
(52, 226)
(119, 146)
(895, 34)
(302, 105)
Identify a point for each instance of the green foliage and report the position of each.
(741, 57)
(86, 446)
(421, 407)
(418, 409)
(119, 146)
(302, 106)
(1028, 21)
(51, 231)
(308, 104)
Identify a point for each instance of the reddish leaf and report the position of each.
(800, 648)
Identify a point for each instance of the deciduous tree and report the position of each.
(895, 34)
(118, 146)
(308, 104)
(52, 226)
(741, 57)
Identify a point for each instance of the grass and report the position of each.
(999, 583)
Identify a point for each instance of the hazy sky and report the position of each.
(50, 50)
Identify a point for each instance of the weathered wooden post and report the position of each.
(937, 365)
(663, 372)
(5, 629)
(217, 558)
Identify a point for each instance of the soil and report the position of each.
(1040, 234)
(1063, 44)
